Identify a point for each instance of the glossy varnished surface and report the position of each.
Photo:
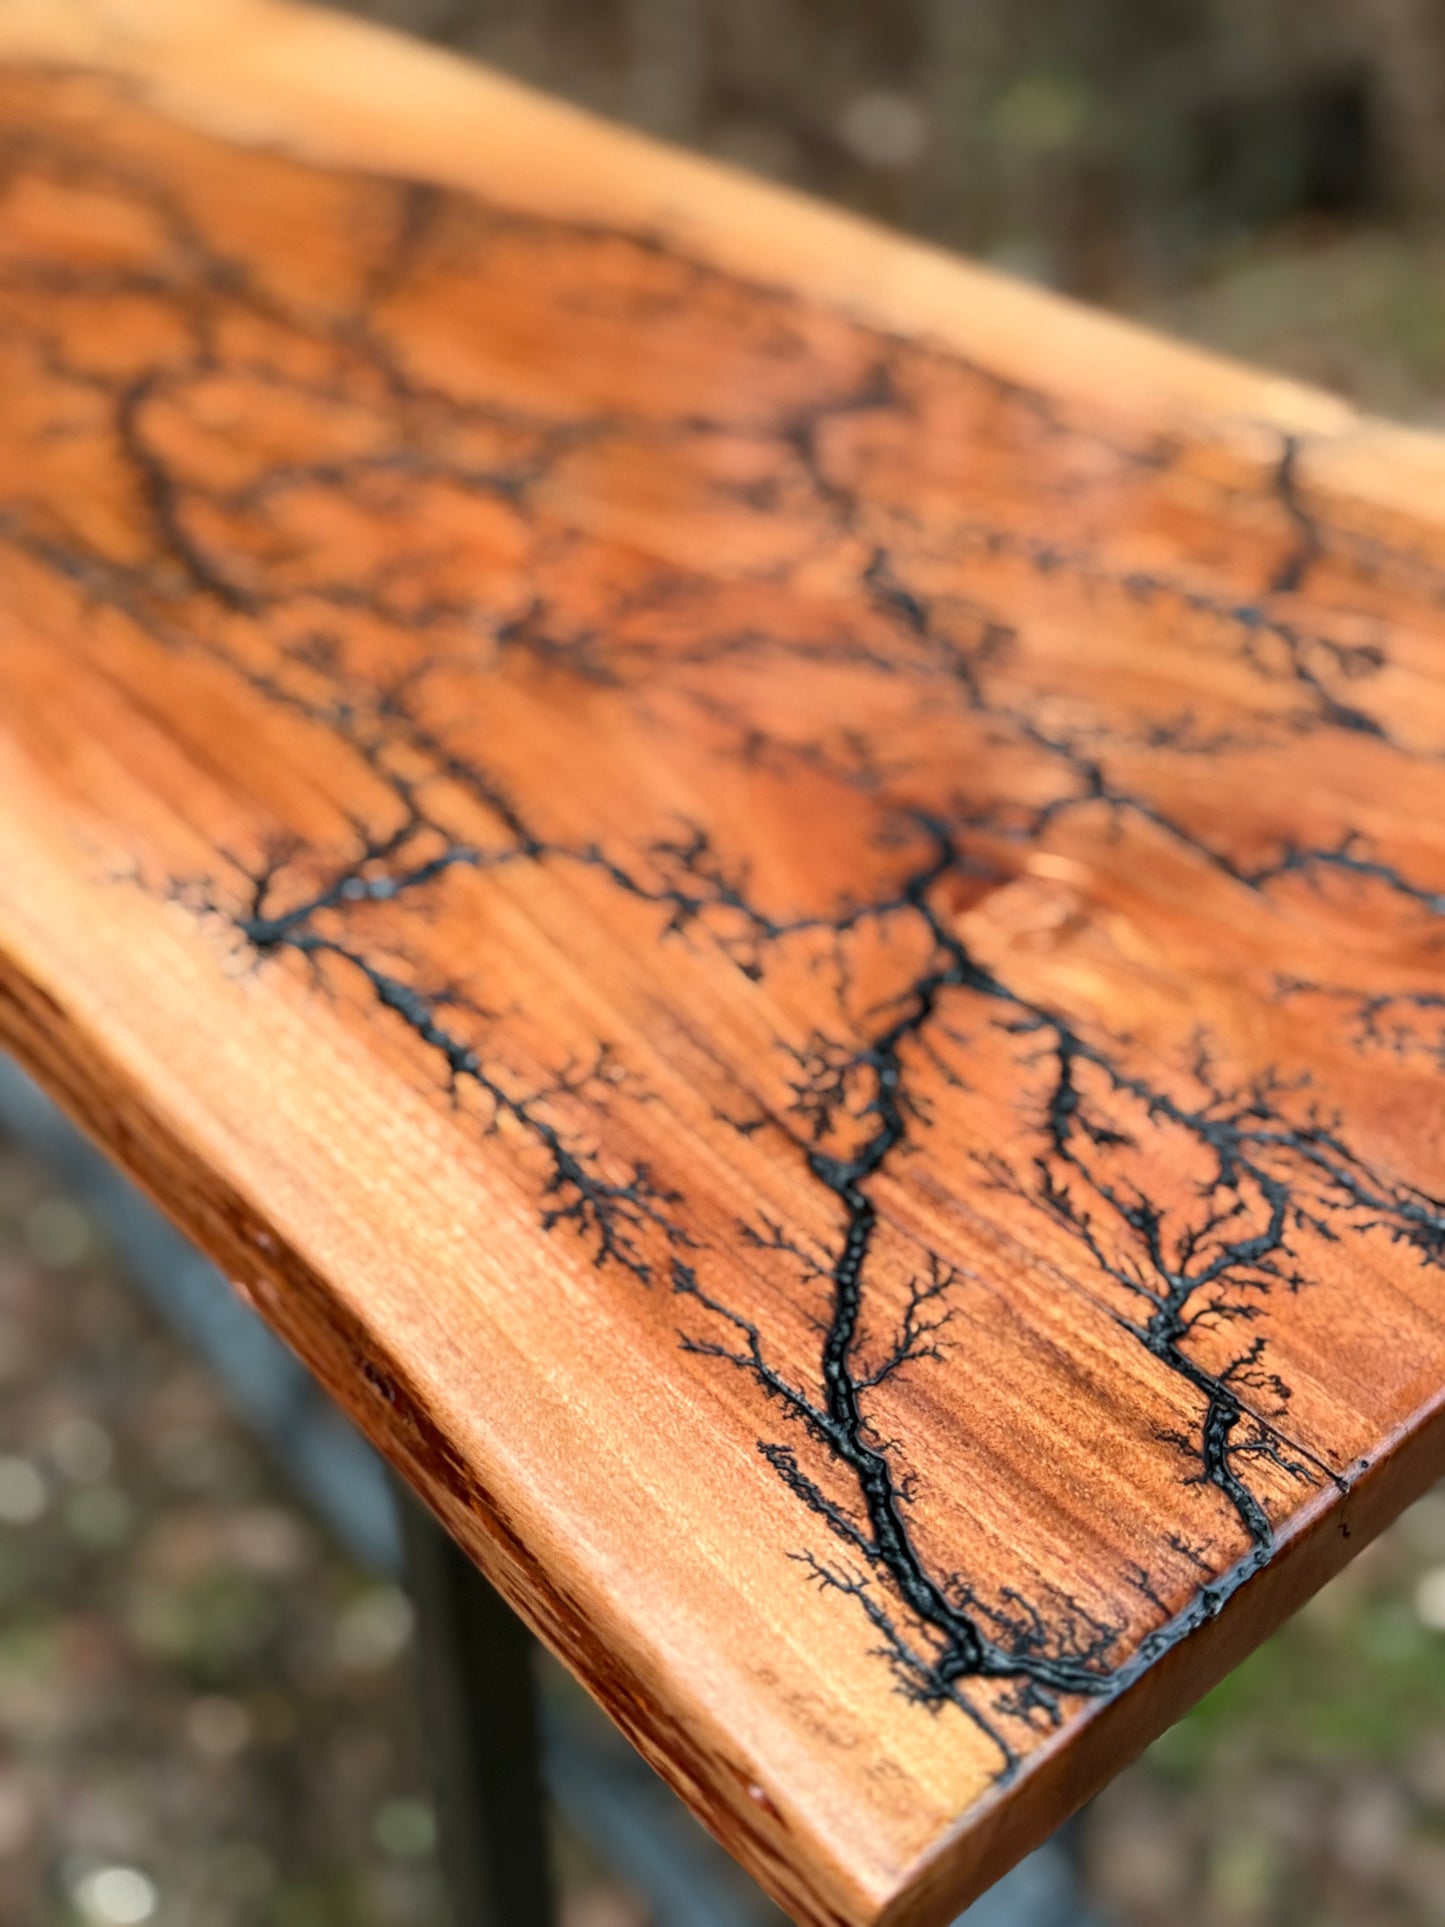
(802, 954)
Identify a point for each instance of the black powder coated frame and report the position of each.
(479, 1713)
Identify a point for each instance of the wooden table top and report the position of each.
(781, 901)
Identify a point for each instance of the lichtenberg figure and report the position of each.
(230, 574)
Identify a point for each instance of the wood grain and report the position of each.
(780, 901)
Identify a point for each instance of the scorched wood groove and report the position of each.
(782, 903)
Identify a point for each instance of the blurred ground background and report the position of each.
(205, 1711)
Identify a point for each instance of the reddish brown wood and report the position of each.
(780, 901)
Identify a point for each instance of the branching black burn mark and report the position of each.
(227, 570)
(613, 1211)
(1351, 856)
(1289, 577)
(958, 1636)
(1407, 1025)
(1271, 1169)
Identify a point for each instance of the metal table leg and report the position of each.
(479, 1713)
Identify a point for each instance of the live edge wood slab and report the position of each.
(782, 902)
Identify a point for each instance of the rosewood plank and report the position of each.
(780, 901)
